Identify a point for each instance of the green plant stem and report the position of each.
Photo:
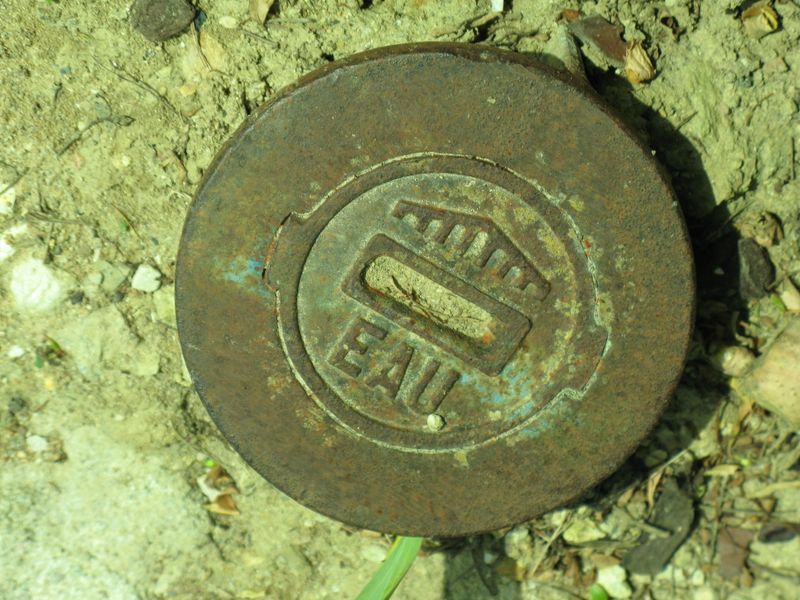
(395, 566)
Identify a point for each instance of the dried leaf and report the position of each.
(215, 483)
(223, 505)
(732, 548)
(570, 15)
(652, 487)
(722, 471)
(760, 19)
(638, 66)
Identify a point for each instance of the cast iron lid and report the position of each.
(434, 289)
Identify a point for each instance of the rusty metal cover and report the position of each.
(434, 289)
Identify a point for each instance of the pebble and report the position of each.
(146, 279)
(774, 382)
(615, 581)
(164, 304)
(582, 531)
(228, 22)
(7, 200)
(36, 443)
(34, 286)
(756, 272)
(734, 360)
(159, 20)
(15, 352)
(373, 553)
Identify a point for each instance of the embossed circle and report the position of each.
(450, 287)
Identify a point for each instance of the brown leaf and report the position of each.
(732, 549)
(223, 505)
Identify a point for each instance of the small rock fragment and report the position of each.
(159, 20)
(615, 581)
(603, 37)
(673, 512)
(435, 422)
(583, 530)
(638, 66)
(756, 273)
(760, 19)
(374, 553)
(734, 360)
(146, 279)
(562, 52)
(36, 443)
(790, 296)
(228, 22)
(15, 352)
(732, 549)
(34, 286)
(763, 227)
(164, 304)
(7, 199)
(259, 9)
(774, 382)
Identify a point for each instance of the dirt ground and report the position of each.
(104, 136)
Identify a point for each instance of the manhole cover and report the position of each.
(434, 289)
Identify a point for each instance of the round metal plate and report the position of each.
(434, 289)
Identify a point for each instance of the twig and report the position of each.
(549, 542)
(116, 120)
(125, 76)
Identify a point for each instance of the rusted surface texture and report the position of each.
(435, 290)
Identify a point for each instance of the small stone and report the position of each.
(228, 22)
(146, 279)
(373, 553)
(111, 275)
(774, 382)
(756, 272)
(734, 360)
(159, 20)
(34, 286)
(36, 443)
(76, 297)
(15, 352)
(164, 303)
(615, 581)
(582, 531)
(790, 296)
(435, 422)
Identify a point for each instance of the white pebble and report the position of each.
(435, 422)
(498, 5)
(34, 286)
(146, 279)
(228, 22)
(36, 443)
(615, 581)
(15, 352)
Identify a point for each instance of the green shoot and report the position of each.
(395, 566)
(597, 592)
